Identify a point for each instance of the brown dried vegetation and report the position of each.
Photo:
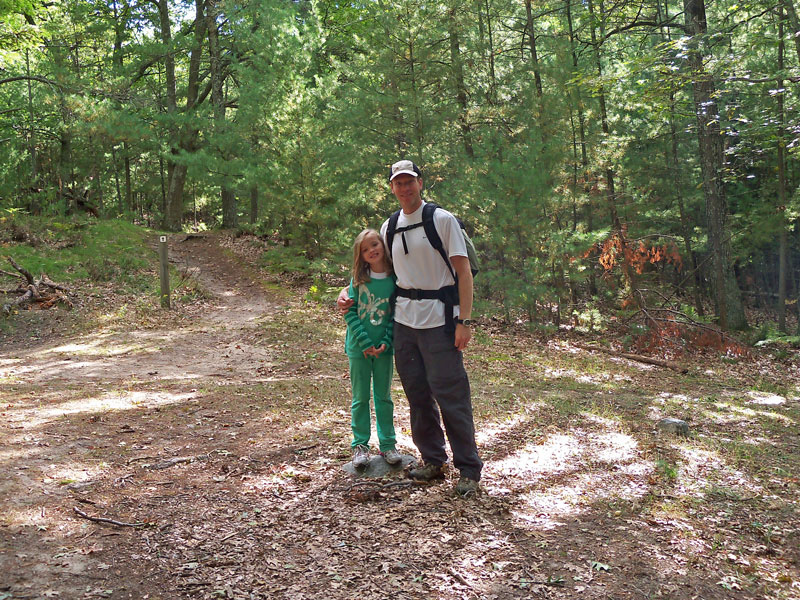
(219, 430)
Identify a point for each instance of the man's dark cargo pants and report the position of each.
(432, 372)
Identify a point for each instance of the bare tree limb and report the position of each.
(669, 364)
(80, 513)
(31, 78)
(22, 270)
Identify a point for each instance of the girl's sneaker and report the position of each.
(392, 456)
(360, 456)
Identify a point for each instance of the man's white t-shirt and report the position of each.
(423, 267)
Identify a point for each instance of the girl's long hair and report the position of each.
(360, 269)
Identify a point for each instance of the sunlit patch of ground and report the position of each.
(50, 409)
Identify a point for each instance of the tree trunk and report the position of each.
(165, 26)
(253, 204)
(674, 165)
(65, 162)
(583, 143)
(116, 178)
(492, 72)
(795, 23)
(458, 76)
(783, 250)
(419, 130)
(611, 196)
(187, 139)
(686, 228)
(727, 296)
(126, 159)
(400, 140)
(227, 196)
(229, 209)
(537, 75)
(31, 124)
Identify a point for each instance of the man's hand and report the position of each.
(344, 301)
(463, 336)
(461, 266)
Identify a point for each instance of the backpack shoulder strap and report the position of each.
(390, 230)
(433, 235)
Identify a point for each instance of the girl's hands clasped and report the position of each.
(375, 350)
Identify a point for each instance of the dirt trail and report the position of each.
(213, 345)
(68, 424)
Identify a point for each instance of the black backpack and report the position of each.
(433, 236)
(447, 294)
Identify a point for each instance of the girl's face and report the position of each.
(372, 250)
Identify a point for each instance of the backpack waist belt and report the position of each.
(448, 294)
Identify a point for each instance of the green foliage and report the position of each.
(99, 251)
(318, 98)
(666, 470)
(768, 335)
(286, 259)
(590, 319)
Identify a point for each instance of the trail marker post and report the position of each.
(164, 260)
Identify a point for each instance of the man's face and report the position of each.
(407, 189)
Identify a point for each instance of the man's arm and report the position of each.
(461, 267)
(344, 301)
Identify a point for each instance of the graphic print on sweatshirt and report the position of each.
(370, 307)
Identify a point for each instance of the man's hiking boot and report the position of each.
(466, 487)
(360, 456)
(427, 472)
(392, 456)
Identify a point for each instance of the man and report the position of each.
(428, 339)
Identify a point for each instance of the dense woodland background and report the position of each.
(635, 154)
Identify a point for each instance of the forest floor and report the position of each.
(213, 437)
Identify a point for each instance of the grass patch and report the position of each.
(73, 250)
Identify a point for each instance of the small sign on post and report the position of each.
(164, 259)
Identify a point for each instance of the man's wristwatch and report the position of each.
(465, 322)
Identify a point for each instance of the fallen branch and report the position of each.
(138, 458)
(45, 280)
(301, 448)
(669, 364)
(229, 536)
(104, 520)
(458, 577)
(44, 291)
(170, 462)
(25, 272)
(692, 323)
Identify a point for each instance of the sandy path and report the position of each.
(218, 343)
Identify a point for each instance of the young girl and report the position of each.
(369, 346)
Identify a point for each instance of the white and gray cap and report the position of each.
(404, 167)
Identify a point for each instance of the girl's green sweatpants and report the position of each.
(378, 369)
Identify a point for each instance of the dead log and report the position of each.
(45, 280)
(26, 298)
(44, 291)
(25, 272)
(669, 364)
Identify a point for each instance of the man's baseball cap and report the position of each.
(404, 167)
